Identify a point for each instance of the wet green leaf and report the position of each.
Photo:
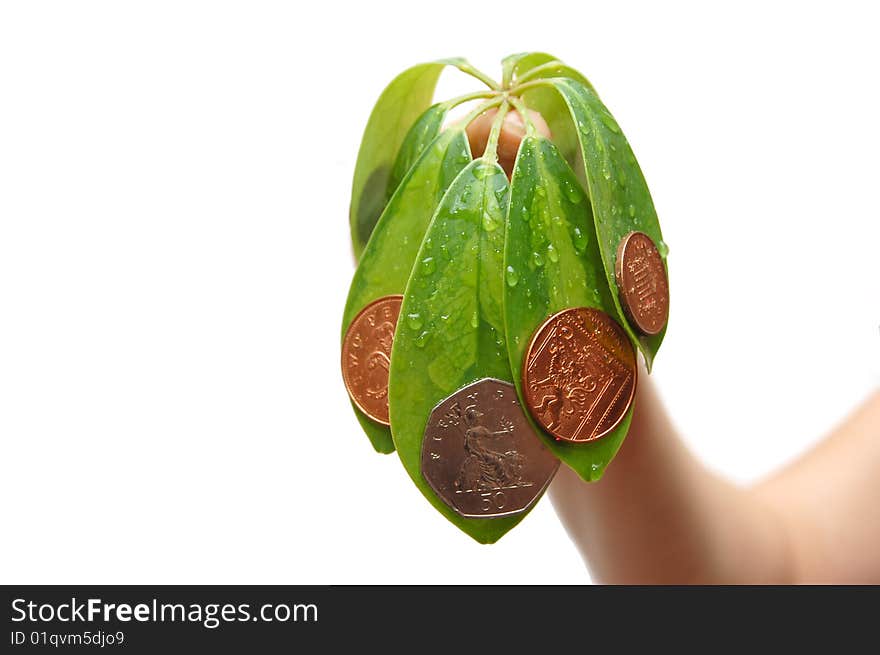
(553, 263)
(618, 192)
(387, 261)
(421, 134)
(453, 332)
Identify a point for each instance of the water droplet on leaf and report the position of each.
(572, 192)
(490, 223)
(579, 239)
(609, 122)
(512, 276)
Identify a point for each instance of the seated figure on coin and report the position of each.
(485, 468)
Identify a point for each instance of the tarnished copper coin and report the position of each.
(366, 354)
(481, 456)
(642, 282)
(579, 374)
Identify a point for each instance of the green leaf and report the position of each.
(387, 261)
(421, 134)
(522, 63)
(402, 101)
(509, 63)
(394, 113)
(451, 327)
(552, 262)
(618, 192)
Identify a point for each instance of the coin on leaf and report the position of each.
(579, 375)
(366, 356)
(481, 456)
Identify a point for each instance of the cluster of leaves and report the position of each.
(482, 261)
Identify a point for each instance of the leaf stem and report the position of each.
(481, 109)
(468, 69)
(519, 88)
(508, 64)
(470, 96)
(491, 152)
(537, 70)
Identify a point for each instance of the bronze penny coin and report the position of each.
(481, 455)
(642, 282)
(366, 355)
(579, 374)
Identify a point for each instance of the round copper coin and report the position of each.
(366, 355)
(480, 454)
(579, 374)
(642, 282)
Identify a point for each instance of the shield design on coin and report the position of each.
(481, 456)
(579, 374)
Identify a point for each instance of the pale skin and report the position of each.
(658, 516)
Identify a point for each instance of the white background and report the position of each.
(174, 258)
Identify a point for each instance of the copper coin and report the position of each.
(579, 374)
(641, 279)
(366, 355)
(481, 456)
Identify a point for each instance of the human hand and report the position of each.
(659, 516)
